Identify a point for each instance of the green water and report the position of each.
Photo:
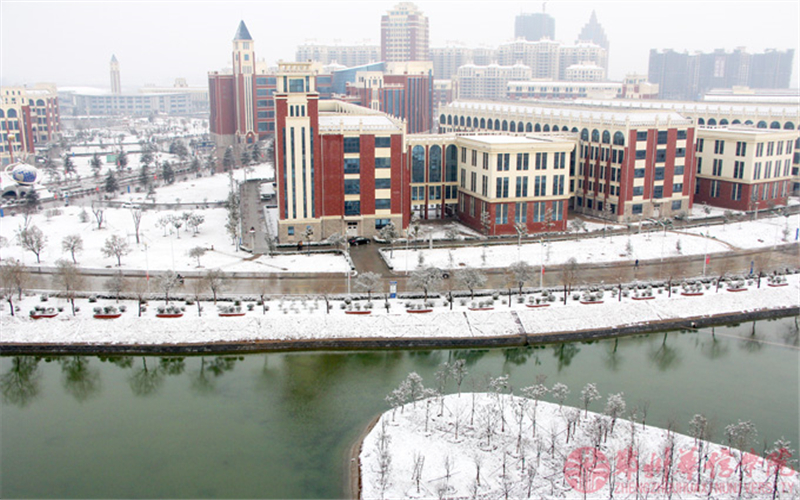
(280, 425)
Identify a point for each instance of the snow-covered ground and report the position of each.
(644, 246)
(496, 445)
(301, 318)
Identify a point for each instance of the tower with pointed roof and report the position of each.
(593, 32)
(116, 88)
(244, 60)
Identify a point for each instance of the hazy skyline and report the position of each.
(71, 43)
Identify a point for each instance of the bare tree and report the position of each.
(390, 234)
(13, 280)
(69, 280)
(116, 246)
(560, 392)
(216, 281)
(73, 244)
(99, 214)
(368, 282)
(458, 370)
(569, 274)
(116, 285)
(615, 408)
(470, 278)
(589, 394)
(740, 436)
(139, 289)
(167, 282)
(33, 239)
(779, 456)
(521, 272)
(196, 288)
(427, 279)
(136, 213)
(196, 253)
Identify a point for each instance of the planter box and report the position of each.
(691, 294)
(46, 315)
(777, 284)
(107, 316)
(642, 298)
(418, 311)
(591, 302)
(169, 315)
(533, 306)
(736, 289)
(359, 312)
(481, 308)
(230, 315)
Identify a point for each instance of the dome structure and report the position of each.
(22, 173)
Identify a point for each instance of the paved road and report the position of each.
(366, 258)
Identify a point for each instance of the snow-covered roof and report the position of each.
(502, 139)
(693, 107)
(335, 122)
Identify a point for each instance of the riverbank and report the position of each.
(294, 327)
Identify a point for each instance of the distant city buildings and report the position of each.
(346, 55)
(404, 34)
(29, 117)
(116, 87)
(534, 27)
(684, 76)
(593, 32)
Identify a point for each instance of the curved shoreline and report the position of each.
(353, 466)
(368, 343)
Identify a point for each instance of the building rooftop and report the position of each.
(242, 33)
(692, 107)
(504, 139)
(745, 130)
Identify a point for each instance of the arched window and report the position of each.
(595, 135)
(528, 127)
(483, 122)
(585, 134)
(12, 113)
(574, 130)
(449, 119)
(505, 126)
(762, 124)
(711, 122)
(546, 128)
(451, 163)
(497, 124)
(537, 128)
(469, 122)
(513, 127)
(736, 122)
(39, 102)
(475, 122)
(461, 121)
(2, 114)
(490, 124)
(723, 122)
(519, 127)
(748, 122)
(775, 125)
(619, 139)
(442, 120)
(797, 143)
(606, 137)
(788, 126)
(435, 164)
(418, 164)
(700, 121)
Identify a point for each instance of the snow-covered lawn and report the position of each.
(159, 249)
(298, 318)
(496, 445)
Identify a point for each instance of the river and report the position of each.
(279, 425)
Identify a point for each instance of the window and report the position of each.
(658, 191)
(473, 181)
(501, 214)
(757, 171)
(741, 148)
(352, 165)
(380, 223)
(522, 187)
(474, 158)
(636, 208)
(641, 154)
(770, 148)
(736, 192)
(638, 190)
(558, 210)
(719, 147)
(435, 165)
(541, 161)
(383, 142)
(352, 208)
(262, 103)
(297, 85)
(780, 148)
(716, 169)
(383, 163)
(558, 185)
(681, 135)
(638, 173)
(435, 192)
(661, 155)
(418, 164)
(680, 152)
(522, 161)
(560, 160)
(768, 170)
(677, 188)
(352, 144)
(383, 183)
(502, 187)
(383, 204)
(540, 185)
(463, 155)
(738, 170)
(485, 161)
(352, 186)
(261, 81)
(450, 192)
(714, 189)
(521, 212)
(662, 137)
(678, 170)
(538, 211)
(261, 92)
(659, 173)
(676, 205)
(699, 165)
(485, 186)
(641, 136)
(700, 143)
(417, 193)
(290, 230)
(760, 149)
(502, 162)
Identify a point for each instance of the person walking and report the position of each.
(636, 264)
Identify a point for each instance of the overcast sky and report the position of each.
(71, 43)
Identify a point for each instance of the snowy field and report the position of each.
(497, 445)
(645, 246)
(301, 318)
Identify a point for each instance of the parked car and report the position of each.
(357, 240)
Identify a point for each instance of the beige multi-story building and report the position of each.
(29, 117)
(550, 59)
(562, 90)
(582, 53)
(489, 82)
(584, 72)
(349, 55)
(743, 168)
(404, 34)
